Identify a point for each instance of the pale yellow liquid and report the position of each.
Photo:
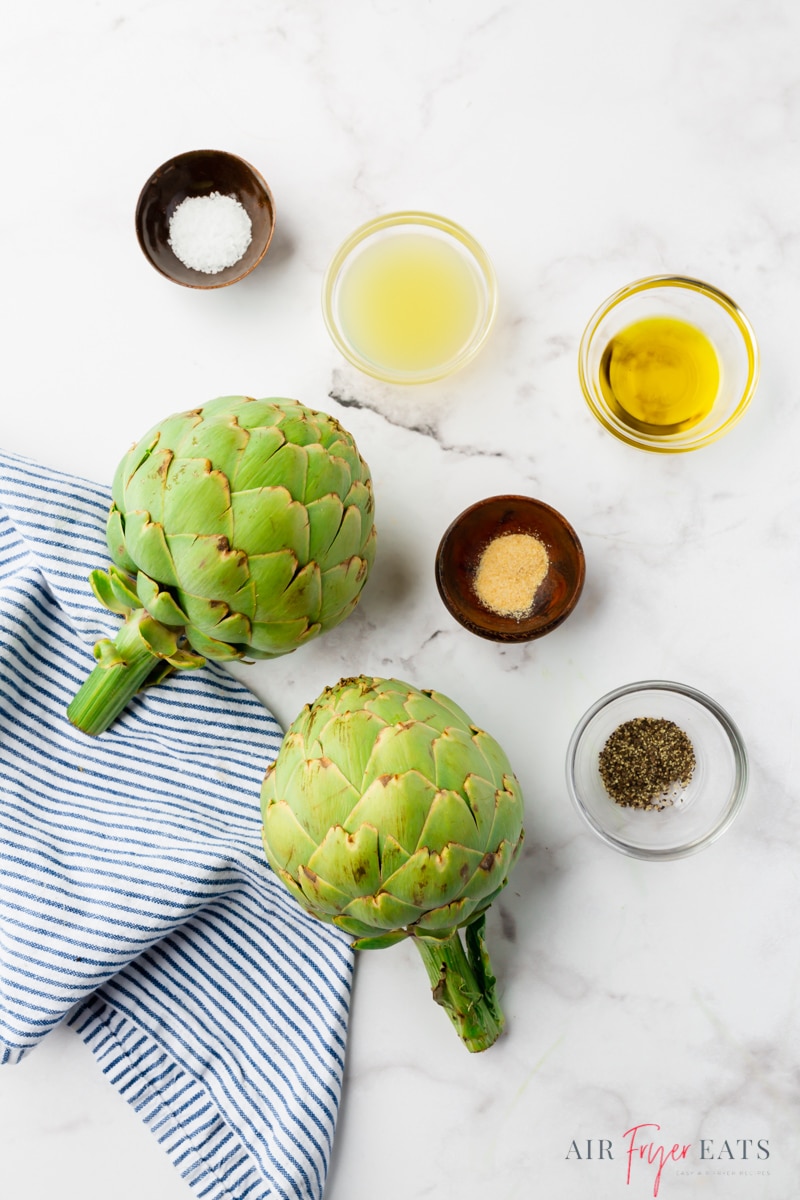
(660, 375)
(410, 303)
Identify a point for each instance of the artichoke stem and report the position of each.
(464, 986)
(106, 692)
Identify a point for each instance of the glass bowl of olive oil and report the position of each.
(668, 364)
(409, 297)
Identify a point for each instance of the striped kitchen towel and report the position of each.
(135, 900)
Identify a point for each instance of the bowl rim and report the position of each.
(514, 633)
(740, 754)
(391, 220)
(212, 283)
(663, 445)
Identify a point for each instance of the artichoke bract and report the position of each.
(240, 529)
(388, 813)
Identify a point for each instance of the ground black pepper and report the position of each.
(646, 762)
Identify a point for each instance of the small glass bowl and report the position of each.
(364, 240)
(701, 812)
(707, 309)
(465, 540)
(199, 173)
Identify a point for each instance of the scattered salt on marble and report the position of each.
(209, 233)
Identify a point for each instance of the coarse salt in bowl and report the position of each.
(209, 233)
(205, 219)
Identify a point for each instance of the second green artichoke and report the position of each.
(390, 814)
(240, 529)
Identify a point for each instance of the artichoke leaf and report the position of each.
(348, 862)
(324, 517)
(107, 654)
(274, 638)
(201, 612)
(341, 446)
(182, 660)
(443, 920)
(380, 941)
(147, 547)
(326, 474)
(322, 896)
(247, 411)
(234, 628)
(401, 748)
(138, 454)
(161, 641)
(422, 707)
(114, 590)
(286, 843)
(116, 542)
(262, 443)
(267, 519)
(294, 887)
(392, 854)
(206, 566)
(360, 497)
(197, 500)
(302, 598)
(507, 814)
(382, 911)
(279, 778)
(352, 926)
(348, 741)
(450, 819)
(456, 756)
(341, 587)
(209, 647)
(322, 799)
(348, 540)
(495, 756)
(270, 575)
(287, 467)
(170, 432)
(301, 426)
(430, 879)
(220, 440)
(390, 704)
(144, 490)
(491, 872)
(482, 797)
(396, 805)
(159, 603)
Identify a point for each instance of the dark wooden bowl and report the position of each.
(198, 173)
(459, 554)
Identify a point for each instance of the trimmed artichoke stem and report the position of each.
(464, 986)
(107, 691)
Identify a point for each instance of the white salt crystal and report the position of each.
(209, 233)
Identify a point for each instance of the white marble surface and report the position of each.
(585, 145)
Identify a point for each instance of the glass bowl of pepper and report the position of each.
(510, 568)
(657, 769)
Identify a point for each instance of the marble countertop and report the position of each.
(585, 146)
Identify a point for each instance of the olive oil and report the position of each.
(660, 375)
(410, 302)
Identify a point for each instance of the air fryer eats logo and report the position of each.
(645, 1152)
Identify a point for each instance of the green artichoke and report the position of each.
(240, 529)
(389, 814)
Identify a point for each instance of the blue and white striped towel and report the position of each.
(134, 896)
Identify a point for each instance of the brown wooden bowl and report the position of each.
(198, 173)
(465, 540)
